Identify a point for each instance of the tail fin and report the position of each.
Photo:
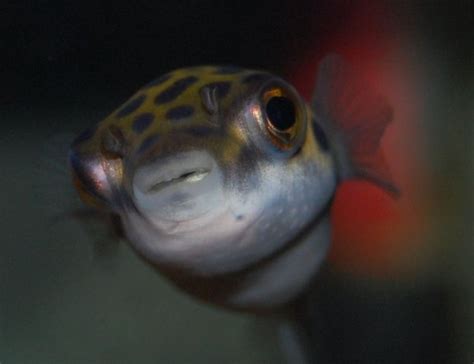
(355, 119)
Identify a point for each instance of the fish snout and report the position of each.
(89, 178)
(96, 174)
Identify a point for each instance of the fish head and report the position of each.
(211, 169)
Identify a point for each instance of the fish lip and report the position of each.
(179, 188)
(188, 175)
(191, 166)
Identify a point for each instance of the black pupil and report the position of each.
(281, 112)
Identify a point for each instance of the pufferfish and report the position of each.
(223, 177)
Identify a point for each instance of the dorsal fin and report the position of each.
(355, 118)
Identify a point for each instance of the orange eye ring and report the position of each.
(282, 116)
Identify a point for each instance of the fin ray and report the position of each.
(355, 118)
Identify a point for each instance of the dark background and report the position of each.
(60, 52)
(66, 64)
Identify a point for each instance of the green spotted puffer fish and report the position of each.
(223, 177)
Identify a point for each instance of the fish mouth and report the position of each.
(180, 188)
(187, 176)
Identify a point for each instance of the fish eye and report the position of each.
(281, 112)
(282, 116)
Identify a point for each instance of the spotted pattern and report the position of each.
(131, 106)
(222, 87)
(165, 103)
(179, 112)
(176, 89)
(199, 131)
(148, 143)
(158, 81)
(142, 122)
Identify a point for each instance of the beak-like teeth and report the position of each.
(189, 177)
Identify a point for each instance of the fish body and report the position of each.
(223, 177)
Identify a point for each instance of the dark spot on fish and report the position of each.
(142, 121)
(222, 88)
(148, 143)
(176, 89)
(160, 80)
(179, 112)
(246, 179)
(254, 77)
(131, 106)
(226, 70)
(199, 131)
(321, 136)
(239, 217)
(84, 136)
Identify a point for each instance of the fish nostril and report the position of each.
(113, 142)
(97, 169)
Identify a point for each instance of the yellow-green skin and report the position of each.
(206, 193)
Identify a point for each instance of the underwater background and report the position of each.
(398, 285)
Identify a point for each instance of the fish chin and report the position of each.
(192, 245)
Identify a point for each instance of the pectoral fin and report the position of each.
(354, 118)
